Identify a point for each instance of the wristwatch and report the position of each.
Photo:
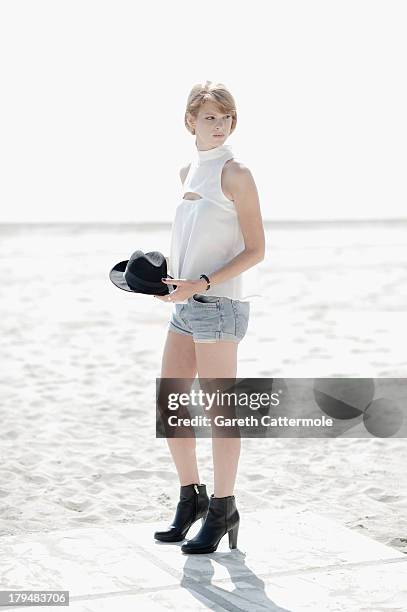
(207, 280)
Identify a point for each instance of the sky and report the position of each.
(94, 94)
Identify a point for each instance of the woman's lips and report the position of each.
(219, 135)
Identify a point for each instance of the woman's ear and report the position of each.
(191, 122)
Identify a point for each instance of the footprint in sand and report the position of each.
(136, 474)
(380, 495)
(388, 498)
(77, 506)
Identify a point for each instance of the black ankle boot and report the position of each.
(193, 505)
(222, 517)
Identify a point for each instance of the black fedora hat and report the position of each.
(142, 273)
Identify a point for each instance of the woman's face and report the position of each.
(212, 126)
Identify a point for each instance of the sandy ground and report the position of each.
(79, 360)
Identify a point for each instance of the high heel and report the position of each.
(222, 518)
(233, 536)
(192, 506)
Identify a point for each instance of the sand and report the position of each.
(79, 360)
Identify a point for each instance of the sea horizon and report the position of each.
(162, 225)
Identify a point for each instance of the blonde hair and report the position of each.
(212, 92)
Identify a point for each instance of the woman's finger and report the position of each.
(173, 281)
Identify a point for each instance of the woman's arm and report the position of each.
(242, 188)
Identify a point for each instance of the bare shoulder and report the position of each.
(236, 168)
(183, 173)
(236, 176)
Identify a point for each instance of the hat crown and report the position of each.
(147, 266)
(142, 273)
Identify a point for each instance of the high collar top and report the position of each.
(215, 153)
(206, 232)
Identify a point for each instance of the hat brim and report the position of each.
(116, 275)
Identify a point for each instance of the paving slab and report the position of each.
(290, 559)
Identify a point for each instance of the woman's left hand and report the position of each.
(185, 289)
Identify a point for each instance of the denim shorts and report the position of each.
(208, 318)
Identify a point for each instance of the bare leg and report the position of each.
(219, 360)
(179, 362)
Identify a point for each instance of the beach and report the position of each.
(80, 360)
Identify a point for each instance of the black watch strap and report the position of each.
(207, 280)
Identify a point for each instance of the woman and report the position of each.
(217, 235)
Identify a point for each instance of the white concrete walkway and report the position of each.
(287, 560)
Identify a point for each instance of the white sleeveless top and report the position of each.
(206, 233)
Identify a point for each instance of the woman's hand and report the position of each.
(185, 289)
